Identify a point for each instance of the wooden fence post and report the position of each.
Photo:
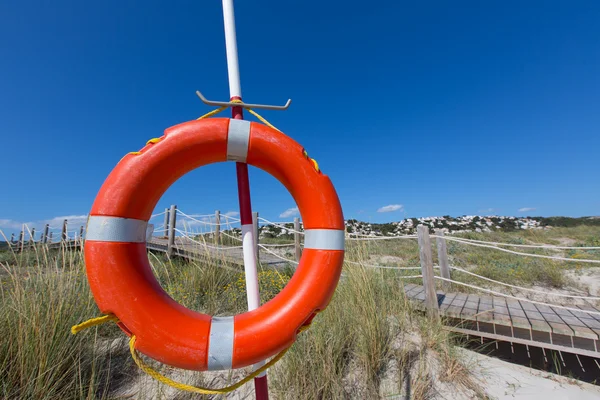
(255, 227)
(81, 232)
(431, 301)
(166, 223)
(32, 237)
(297, 238)
(22, 238)
(50, 237)
(64, 231)
(45, 234)
(217, 227)
(172, 223)
(443, 257)
(12, 238)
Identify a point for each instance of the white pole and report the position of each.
(233, 67)
(248, 239)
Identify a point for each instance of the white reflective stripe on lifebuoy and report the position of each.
(324, 239)
(237, 140)
(116, 229)
(220, 343)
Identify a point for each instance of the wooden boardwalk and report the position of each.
(192, 250)
(183, 248)
(515, 321)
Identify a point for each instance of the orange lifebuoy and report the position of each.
(119, 272)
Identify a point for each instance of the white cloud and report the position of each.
(290, 212)
(525, 209)
(10, 224)
(487, 210)
(390, 208)
(231, 214)
(71, 220)
(56, 222)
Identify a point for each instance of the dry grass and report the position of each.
(40, 300)
(369, 342)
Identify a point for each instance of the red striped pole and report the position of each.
(261, 388)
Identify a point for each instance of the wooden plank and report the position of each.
(171, 233)
(533, 343)
(537, 321)
(455, 308)
(427, 270)
(556, 323)
(517, 315)
(408, 287)
(447, 301)
(414, 290)
(588, 320)
(485, 312)
(418, 294)
(501, 315)
(471, 306)
(502, 321)
(443, 257)
(588, 307)
(579, 327)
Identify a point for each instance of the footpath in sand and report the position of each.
(503, 380)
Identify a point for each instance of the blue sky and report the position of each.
(430, 109)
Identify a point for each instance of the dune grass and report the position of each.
(42, 295)
(368, 343)
(365, 337)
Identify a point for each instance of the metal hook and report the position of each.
(244, 105)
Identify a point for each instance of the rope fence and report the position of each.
(517, 252)
(223, 227)
(530, 246)
(523, 288)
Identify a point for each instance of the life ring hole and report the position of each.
(205, 272)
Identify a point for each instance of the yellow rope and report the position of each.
(264, 121)
(93, 322)
(167, 381)
(315, 164)
(211, 113)
(182, 386)
(251, 111)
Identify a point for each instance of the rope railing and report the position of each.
(523, 288)
(277, 255)
(518, 252)
(382, 266)
(281, 226)
(157, 215)
(196, 219)
(239, 239)
(493, 292)
(204, 244)
(368, 238)
(279, 222)
(530, 246)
